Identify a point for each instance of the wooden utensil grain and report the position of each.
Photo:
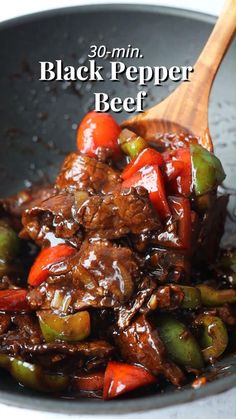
(186, 109)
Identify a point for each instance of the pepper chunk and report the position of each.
(211, 297)
(92, 381)
(121, 378)
(14, 300)
(74, 327)
(96, 131)
(180, 343)
(33, 376)
(207, 170)
(131, 144)
(214, 338)
(9, 243)
(150, 177)
(47, 257)
(192, 297)
(148, 156)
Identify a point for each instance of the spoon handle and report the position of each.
(213, 53)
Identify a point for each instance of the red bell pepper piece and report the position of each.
(98, 130)
(172, 169)
(148, 156)
(121, 378)
(182, 184)
(89, 382)
(180, 236)
(179, 183)
(47, 257)
(14, 300)
(150, 177)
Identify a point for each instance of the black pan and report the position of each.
(38, 122)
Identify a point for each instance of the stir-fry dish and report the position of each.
(112, 279)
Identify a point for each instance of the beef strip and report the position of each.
(87, 174)
(115, 215)
(149, 298)
(94, 349)
(99, 275)
(141, 344)
(168, 265)
(167, 297)
(226, 312)
(51, 220)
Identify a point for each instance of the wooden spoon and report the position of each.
(186, 109)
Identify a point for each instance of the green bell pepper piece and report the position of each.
(32, 375)
(192, 297)
(181, 345)
(71, 328)
(214, 338)
(211, 297)
(207, 170)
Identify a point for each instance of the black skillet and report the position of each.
(38, 122)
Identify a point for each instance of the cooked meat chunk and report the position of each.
(99, 349)
(213, 221)
(113, 268)
(25, 329)
(115, 215)
(25, 339)
(87, 174)
(128, 311)
(15, 205)
(51, 219)
(141, 344)
(5, 321)
(99, 275)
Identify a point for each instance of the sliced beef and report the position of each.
(99, 275)
(127, 312)
(98, 349)
(23, 329)
(168, 265)
(24, 339)
(50, 220)
(115, 215)
(226, 312)
(141, 344)
(15, 205)
(149, 298)
(212, 229)
(87, 174)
